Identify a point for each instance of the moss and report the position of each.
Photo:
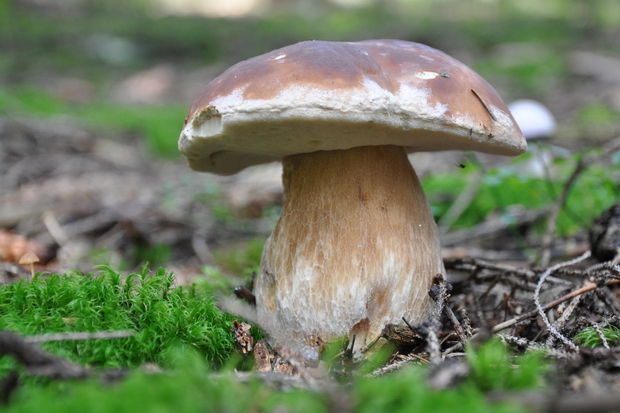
(161, 314)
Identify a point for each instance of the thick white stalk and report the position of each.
(355, 248)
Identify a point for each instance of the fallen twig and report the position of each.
(584, 289)
(429, 331)
(491, 227)
(461, 203)
(79, 336)
(547, 239)
(472, 264)
(582, 165)
(396, 365)
(37, 361)
(566, 311)
(598, 330)
(440, 293)
(542, 311)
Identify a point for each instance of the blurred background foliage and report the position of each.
(136, 65)
(77, 51)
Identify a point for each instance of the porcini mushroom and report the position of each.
(356, 246)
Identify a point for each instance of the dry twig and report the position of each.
(581, 166)
(547, 239)
(37, 361)
(539, 307)
(98, 335)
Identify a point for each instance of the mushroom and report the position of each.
(29, 258)
(534, 119)
(538, 125)
(356, 246)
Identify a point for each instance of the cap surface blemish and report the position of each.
(426, 74)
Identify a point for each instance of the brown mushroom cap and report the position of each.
(29, 258)
(319, 95)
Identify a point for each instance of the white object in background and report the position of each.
(534, 119)
(537, 123)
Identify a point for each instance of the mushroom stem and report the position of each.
(355, 248)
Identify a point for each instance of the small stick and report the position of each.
(565, 311)
(582, 164)
(439, 293)
(44, 338)
(484, 104)
(466, 323)
(472, 264)
(600, 334)
(565, 314)
(458, 328)
(397, 365)
(541, 311)
(461, 203)
(409, 325)
(349, 351)
(517, 341)
(37, 361)
(428, 331)
(243, 293)
(455, 347)
(547, 239)
(433, 347)
(572, 294)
